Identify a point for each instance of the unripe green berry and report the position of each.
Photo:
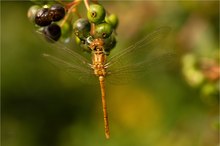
(83, 44)
(113, 20)
(103, 30)
(66, 30)
(77, 40)
(109, 43)
(96, 13)
(81, 28)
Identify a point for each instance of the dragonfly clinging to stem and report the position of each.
(101, 66)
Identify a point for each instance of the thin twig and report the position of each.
(70, 8)
(86, 2)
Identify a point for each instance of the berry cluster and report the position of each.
(97, 25)
(47, 17)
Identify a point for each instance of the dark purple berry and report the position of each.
(42, 17)
(56, 12)
(52, 32)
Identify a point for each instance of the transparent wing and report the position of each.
(127, 73)
(70, 61)
(142, 47)
(84, 74)
(139, 59)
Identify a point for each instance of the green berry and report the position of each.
(109, 43)
(103, 30)
(85, 47)
(113, 20)
(46, 6)
(96, 13)
(77, 40)
(81, 28)
(66, 30)
(83, 44)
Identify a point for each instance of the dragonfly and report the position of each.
(117, 68)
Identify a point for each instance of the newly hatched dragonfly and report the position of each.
(115, 68)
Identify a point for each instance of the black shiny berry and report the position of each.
(56, 12)
(42, 17)
(52, 32)
(81, 28)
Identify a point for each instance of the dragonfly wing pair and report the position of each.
(139, 59)
(71, 62)
(123, 66)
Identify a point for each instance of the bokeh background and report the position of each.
(179, 106)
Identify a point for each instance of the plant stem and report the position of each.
(70, 8)
(86, 2)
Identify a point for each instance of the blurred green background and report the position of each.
(43, 106)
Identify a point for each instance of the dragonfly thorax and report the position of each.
(97, 45)
(98, 61)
